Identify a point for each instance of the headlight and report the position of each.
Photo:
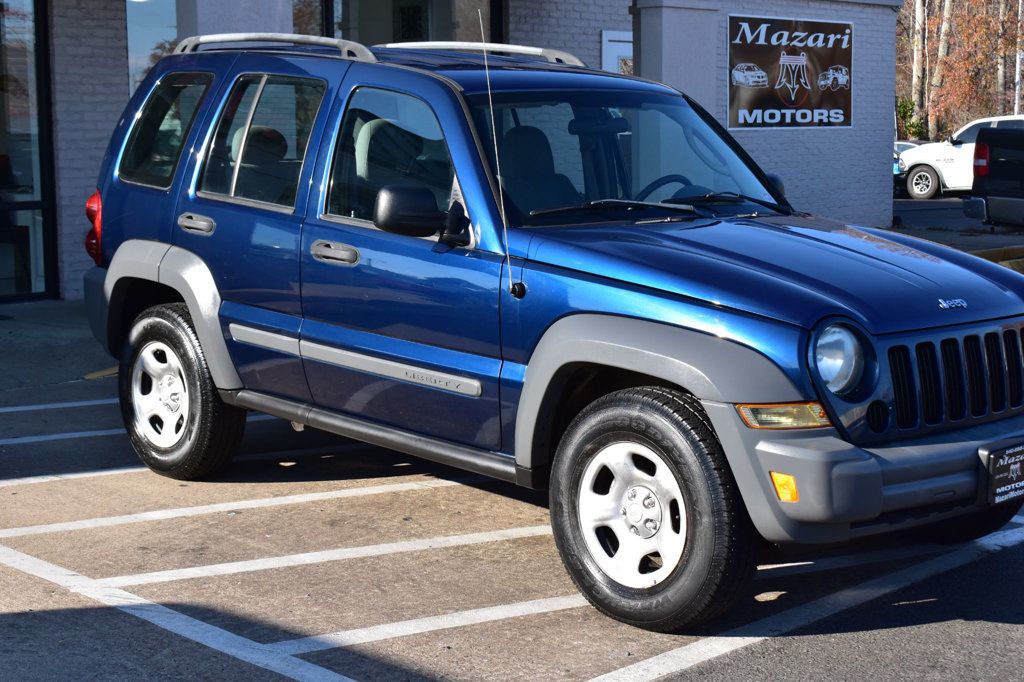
(839, 358)
(902, 164)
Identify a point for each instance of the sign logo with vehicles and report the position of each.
(789, 73)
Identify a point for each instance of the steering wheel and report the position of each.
(661, 182)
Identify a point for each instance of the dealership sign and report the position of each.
(788, 73)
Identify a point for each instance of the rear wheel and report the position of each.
(175, 418)
(972, 526)
(923, 183)
(646, 515)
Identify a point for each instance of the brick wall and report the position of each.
(843, 173)
(90, 88)
(571, 25)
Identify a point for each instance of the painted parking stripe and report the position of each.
(773, 571)
(39, 407)
(419, 626)
(182, 512)
(344, 448)
(339, 554)
(709, 648)
(74, 435)
(170, 620)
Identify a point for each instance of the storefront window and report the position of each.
(387, 21)
(22, 233)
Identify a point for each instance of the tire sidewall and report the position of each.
(584, 439)
(934, 186)
(159, 324)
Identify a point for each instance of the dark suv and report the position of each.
(494, 257)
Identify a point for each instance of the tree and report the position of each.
(918, 35)
(940, 64)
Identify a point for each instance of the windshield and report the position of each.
(560, 149)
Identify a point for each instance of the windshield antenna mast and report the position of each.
(516, 289)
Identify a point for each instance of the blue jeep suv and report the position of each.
(496, 258)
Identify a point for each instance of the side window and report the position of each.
(1012, 124)
(387, 138)
(970, 136)
(152, 153)
(260, 142)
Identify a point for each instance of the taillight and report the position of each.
(981, 160)
(94, 239)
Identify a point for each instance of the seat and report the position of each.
(265, 175)
(385, 153)
(528, 172)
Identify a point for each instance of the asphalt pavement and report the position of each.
(318, 558)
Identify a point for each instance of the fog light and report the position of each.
(784, 416)
(785, 487)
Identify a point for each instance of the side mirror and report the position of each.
(777, 184)
(407, 209)
(955, 142)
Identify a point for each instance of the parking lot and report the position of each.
(317, 558)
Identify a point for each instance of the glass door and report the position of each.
(25, 209)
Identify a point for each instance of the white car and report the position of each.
(928, 169)
(749, 75)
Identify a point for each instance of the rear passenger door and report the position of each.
(399, 330)
(242, 213)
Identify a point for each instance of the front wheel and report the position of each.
(646, 515)
(175, 418)
(923, 183)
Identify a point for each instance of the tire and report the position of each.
(923, 183)
(190, 433)
(664, 448)
(972, 526)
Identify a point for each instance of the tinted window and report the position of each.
(152, 153)
(387, 138)
(970, 136)
(261, 139)
(1014, 123)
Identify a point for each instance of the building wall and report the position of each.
(571, 25)
(89, 61)
(843, 173)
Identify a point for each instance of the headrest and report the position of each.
(526, 152)
(382, 143)
(264, 145)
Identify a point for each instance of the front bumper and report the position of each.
(847, 491)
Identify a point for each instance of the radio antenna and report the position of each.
(512, 289)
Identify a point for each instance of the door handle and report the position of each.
(193, 222)
(334, 253)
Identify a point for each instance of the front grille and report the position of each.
(965, 378)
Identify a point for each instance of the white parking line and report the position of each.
(181, 512)
(69, 435)
(324, 556)
(47, 478)
(170, 620)
(773, 571)
(57, 406)
(418, 626)
(709, 648)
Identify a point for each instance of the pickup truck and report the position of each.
(930, 169)
(998, 192)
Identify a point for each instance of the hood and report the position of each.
(793, 269)
(924, 151)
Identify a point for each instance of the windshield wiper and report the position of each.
(731, 198)
(627, 204)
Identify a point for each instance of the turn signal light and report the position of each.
(785, 486)
(784, 416)
(94, 239)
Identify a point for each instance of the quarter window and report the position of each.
(261, 139)
(387, 138)
(154, 147)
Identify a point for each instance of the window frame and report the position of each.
(212, 130)
(323, 212)
(137, 121)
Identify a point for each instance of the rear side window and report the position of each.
(152, 153)
(261, 139)
(387, 138)
(1013, 124)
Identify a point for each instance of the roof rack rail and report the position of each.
(348, 48)
(555, 56)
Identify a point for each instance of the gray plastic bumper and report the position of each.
(974, 207)
(96, 303)
(847, 491)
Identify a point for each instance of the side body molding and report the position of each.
(187, 274)
(709, 367)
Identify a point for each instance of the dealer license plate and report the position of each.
(1006, 473)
